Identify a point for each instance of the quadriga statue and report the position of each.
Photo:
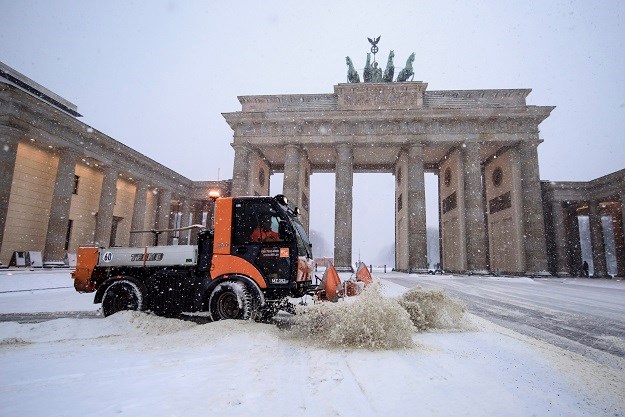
(407, 72)
(352, 74)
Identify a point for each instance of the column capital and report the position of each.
(408, 146)
(69, 153)
(344, 151)
(142, 184)
(10, 135)
(344, 146)
(240, 145)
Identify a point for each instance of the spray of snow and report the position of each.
(375, 322)
(433, 309)
(369, 322)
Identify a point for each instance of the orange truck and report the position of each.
(257, 257)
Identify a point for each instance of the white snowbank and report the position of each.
(142, 365)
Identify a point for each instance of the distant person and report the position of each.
(585, 269)
(263, 232)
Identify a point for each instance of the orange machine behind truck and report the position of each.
(256, 257)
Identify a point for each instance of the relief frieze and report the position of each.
(383, 128)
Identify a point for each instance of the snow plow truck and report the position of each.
(255, 258)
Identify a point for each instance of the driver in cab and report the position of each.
(264, 233)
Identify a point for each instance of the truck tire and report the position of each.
(231, 300)
(122, 295)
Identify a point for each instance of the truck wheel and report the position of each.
(122, 295)
(231, 300)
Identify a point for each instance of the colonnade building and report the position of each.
(65, 184)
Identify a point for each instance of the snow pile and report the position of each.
(369, 322)
(432, 309)
(123, 323)
(149, 324)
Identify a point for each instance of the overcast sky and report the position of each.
(156, 75)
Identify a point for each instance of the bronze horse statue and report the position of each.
(407, 72)
(367, 73)
(390, 69)
(352, 74)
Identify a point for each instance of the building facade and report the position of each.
(65, 184)
(601, 201)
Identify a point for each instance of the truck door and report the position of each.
(258, 237)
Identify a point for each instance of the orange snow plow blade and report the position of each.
(363, 275)
(86, 261)
(331, 283)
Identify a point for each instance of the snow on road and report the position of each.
(138, 364)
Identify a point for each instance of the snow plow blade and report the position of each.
(86, 261)
(329, 285)
(363, 275)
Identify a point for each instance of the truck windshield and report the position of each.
(303, 244)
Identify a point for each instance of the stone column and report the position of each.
(197, 208)
(573, 242)
(209, 208)
(600, 268)
(241, 180)
(59, 209)
(108, 196)
(560, 237)
(533, 221)
(8, 156)
(138, 214)
(343, 208)
(292, 172)
(185, 209)
(305, 197)
(415, 204)
(162, 219)
(619, 241)
(623, 208)
(476, 241)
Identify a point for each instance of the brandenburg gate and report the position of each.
(482, 144)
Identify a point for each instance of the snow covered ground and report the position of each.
(137, 364)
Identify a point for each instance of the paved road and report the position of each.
(39, 317)
(581, 315)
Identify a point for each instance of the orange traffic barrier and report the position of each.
(363, 274)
